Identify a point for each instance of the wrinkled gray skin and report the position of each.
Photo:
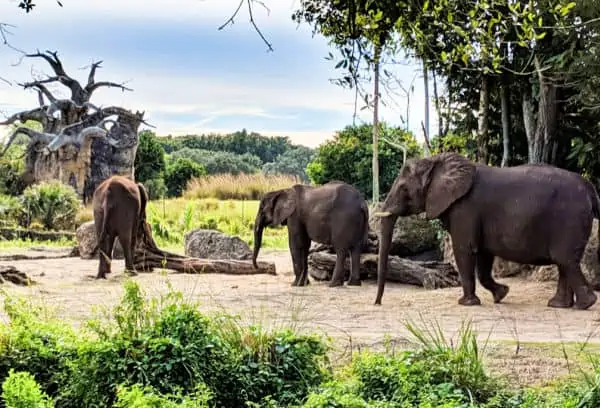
(119, 211)
(333, 214)
(531, 214)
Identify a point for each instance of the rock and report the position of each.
(86, 241)
(590, 265)
(210, 244)
(412, 235)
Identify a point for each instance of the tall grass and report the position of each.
(238, 187)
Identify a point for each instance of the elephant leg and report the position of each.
(485, 262)
(338, 272)
(355, 267)
(304, 264)
(125, 240)
(465, 261)
(105, 255)
(564, 297)
(584, 294)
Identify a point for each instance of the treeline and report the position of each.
(166, 164)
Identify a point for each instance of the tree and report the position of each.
(348, 157)
(292, 162)
(150, 157)
(219, 162)
(83, 144)
(179, 173)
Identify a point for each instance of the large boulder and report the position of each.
(590, 264)
(86, 241)
(210, 244)
(412, 235)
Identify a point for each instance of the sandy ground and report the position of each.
(347, 314)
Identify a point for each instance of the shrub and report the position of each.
(216, 162)
(156, 188)
(241, 187)
(179, 173)
(10, 210)
(149, 158)
(20, 390)
(137, 396)
(53, 204)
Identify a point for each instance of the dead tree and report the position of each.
(80, 144)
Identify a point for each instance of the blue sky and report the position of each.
(188, 76)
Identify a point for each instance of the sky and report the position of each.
(191, 78)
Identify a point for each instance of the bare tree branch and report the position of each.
(34, 135)
(92, 75)
(91, 88)
(230, 20)
(36, 115)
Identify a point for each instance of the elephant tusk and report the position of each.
(382, 214)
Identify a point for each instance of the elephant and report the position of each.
(534, 214)
(333, 214)
(119, 206)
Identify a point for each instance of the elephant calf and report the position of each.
(334, 214)
(119, 211)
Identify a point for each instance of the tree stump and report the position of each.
(13, 275)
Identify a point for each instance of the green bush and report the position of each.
(349, 156)
(216, 162)
(149, 161)
(11, 210)
(52, 204)
(156, 188)
(179, 173)
(20, 390)
(137, 396)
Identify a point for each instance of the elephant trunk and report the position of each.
(385, 240)
(258, 232)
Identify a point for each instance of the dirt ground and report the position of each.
(528, 341)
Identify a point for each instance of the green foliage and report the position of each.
(53, 204)
(216, 162)
(20, 390)
(149, 158)
(292, 162)
(348, 157)
(11, 210)
(160, 351)
(155, 188)
(179, 173)
(12, 165)
(266, 148)
(137, 396)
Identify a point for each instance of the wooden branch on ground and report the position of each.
(147, 260)
(148, 256)
(430, 275)
(13, 275)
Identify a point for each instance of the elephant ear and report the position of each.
(450, 177)
(284, 206)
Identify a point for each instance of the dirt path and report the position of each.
(345, 313)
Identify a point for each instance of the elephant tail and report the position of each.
(143, 201)
(103, 226)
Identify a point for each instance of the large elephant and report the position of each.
(333, 214)
(532, 214)
(119, 211)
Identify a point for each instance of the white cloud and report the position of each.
(208, 97)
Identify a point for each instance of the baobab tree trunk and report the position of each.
(483, 120)
(76, 147)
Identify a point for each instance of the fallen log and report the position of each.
(428, 274)
(13, 275)
(148, 256)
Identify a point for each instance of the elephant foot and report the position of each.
(101, 276)
(354, 282)
(131, 272)
(500, 292)
(469, 301)
(295, 283)
(585, 299)
(561, 302)
(336, 283)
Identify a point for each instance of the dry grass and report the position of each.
(240, 187)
